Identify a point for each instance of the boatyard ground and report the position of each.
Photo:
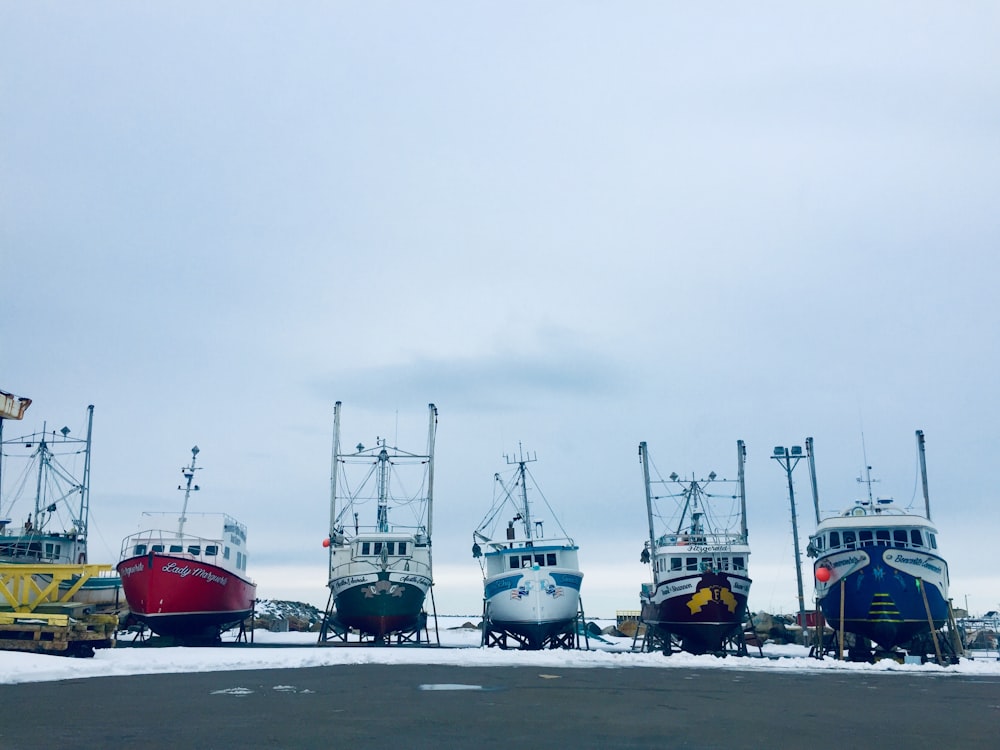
(459, 648)
(528, 702)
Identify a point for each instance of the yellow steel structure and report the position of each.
(24, 588)
(35, 615)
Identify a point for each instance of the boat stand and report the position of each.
(573, 636)
(654, 638)
(738, 644)
(333, 632)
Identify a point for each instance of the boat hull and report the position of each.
(183, 598)
(381, 603)
(533, 603)
(703, 609)
(888, 595)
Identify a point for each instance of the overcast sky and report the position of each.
(575, 225)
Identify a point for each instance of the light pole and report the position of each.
(789, 459)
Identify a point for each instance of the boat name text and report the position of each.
(130, 569)
(918, 561)
(186, 570)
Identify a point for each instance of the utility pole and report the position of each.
(789, 459)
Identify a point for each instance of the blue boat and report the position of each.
(879, 572)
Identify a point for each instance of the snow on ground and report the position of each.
(460, 648)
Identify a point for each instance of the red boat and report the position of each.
(188, 583)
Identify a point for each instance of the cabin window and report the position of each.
(723, 563)
(194, 549)
(139, 549)
(225, 553)
(366, 548)
(550, 558)
(212, 549)
(157, 548)
(402, 548)
(916, 538)
(882, 536)
(390, 548)
(239, 561)
(818, 542)
(540, 560)
(933, 540)
(675, 563)
(865, 538)
(707, 564)
(849, 540)
(514, 563)
(834, 539)
(378, 548)
(525, 561)
(899, 537)
(738, 563)
(176, 548)
(691, 563)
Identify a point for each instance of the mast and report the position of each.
(431, 433)
(644, 460)
(524, 498)
(83, 520)
(522, 472)
(812, 476)
(741, 453)
(43, 452)
(382, 522)
(333, 471)
(188, 472)
(923, 472)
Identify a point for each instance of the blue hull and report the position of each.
(882, 602)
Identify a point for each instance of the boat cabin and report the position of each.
(867, 526)
(516, 558)
(228, 552)
(718, 562)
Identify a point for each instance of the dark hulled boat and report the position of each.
(700, 581)
(879, 572)
(379, 575)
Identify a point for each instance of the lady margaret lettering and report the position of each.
(198, 572)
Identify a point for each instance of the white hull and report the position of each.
(534, 596)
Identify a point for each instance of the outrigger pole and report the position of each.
(333, 476)
(923, 472)
(741, 453)
(812, 476)
(644, 459)
(431, 434)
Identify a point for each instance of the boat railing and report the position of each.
(167, 542)
(500, 545)
(701, 538)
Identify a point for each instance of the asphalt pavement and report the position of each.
(368, 707)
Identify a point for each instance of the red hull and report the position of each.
(184, 598)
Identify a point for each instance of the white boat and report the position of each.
(700, 580)
(45, 479)
(531, 583)
(379, 574)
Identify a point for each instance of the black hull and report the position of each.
(704, 617)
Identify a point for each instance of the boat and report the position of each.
(531, 583)
(379, 572)
(879, 572)
(185, 577)
(699, 564)
(52, 478)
